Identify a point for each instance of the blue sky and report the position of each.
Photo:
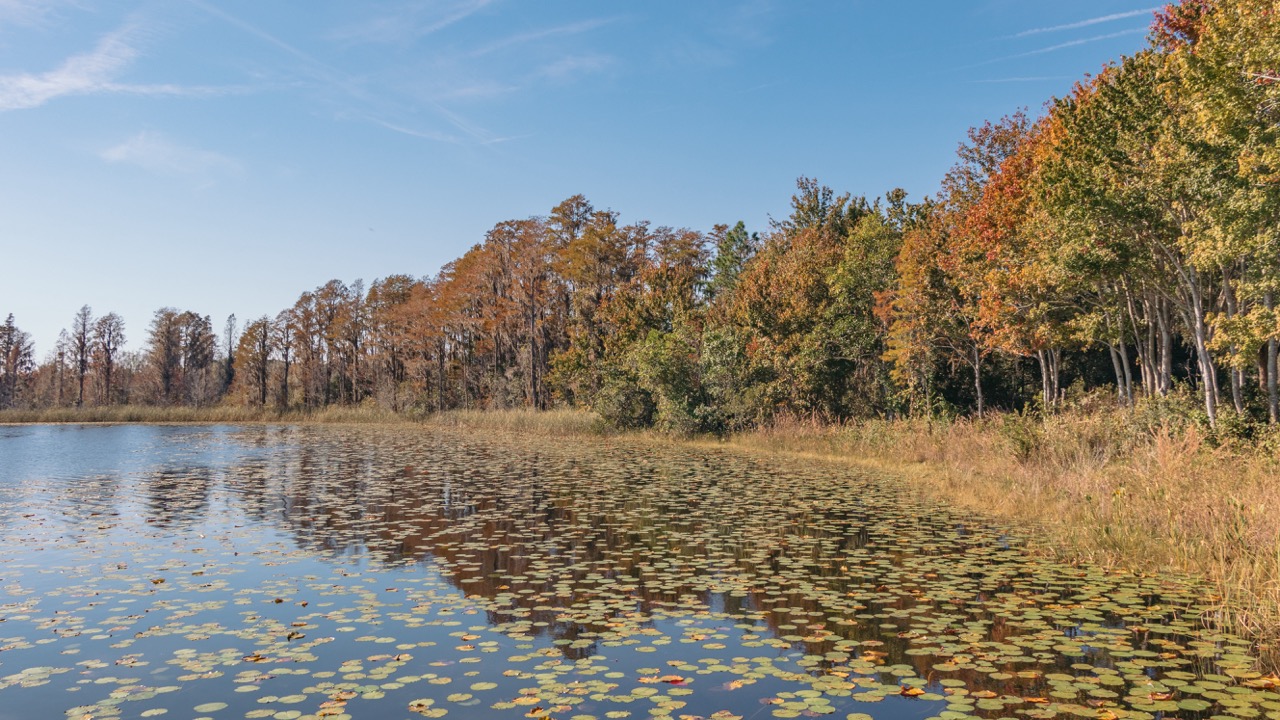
(222, 156)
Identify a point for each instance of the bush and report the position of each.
(622, 403)
(1023, 432)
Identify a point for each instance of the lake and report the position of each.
(397, 572)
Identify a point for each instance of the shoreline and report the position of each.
(1087, 488)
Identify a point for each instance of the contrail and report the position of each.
(1052, 48)
(1073, 43)
(1090, 21)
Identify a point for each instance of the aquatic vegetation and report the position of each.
(341, 571)
(1117, 488)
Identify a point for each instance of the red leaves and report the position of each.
(1179, 25)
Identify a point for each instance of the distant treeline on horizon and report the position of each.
(1128, 239)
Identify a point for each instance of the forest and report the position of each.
(1125, 242)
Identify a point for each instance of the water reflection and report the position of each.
(178, 495)
(814, 562)
(582, 550)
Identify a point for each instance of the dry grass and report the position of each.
(1106, 488)
(556, 423)
(553, 422)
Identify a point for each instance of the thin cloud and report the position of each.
(1074, 43)
(261, 34)
(158, 154)
(1053, 48)
(93, 73)
(442, 137)
(424, 134)
(1091, 21)
(687, 51)
(1032, 78)
(171, 90)
(28, 12)
(477, 90)
(507, 139)
(411, 21)
(339, 80)
(477, 133)
(575, 65)
(748, 22)
(535, 35)
(79, 75)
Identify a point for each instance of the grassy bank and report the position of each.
(575, 423)
(1107, 488)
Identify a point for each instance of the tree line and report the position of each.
(1127, 238)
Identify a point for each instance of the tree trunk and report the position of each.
(1146, 361)
(440, 348)
(977, 379)
(1128, 374)
(1044, 379)
(1055, 377)
(263, 362)
(1115, 366)
(106, 380)
(1235, 375)
(1200, 337)
(1273, 399)
(533, 358)
(1166, 348)
(284, 383)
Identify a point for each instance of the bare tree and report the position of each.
(61, 350)
(81, 345)
(198, 346)
(253, 356)
(108, 338)
(164, 351)
(16, 362)
(282, 330)
(229, 343)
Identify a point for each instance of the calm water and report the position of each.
(329, 572)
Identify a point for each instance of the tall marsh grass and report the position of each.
(1130, 489)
